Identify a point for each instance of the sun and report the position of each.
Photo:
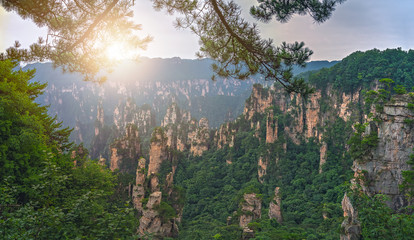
(120, 50)
(116, 51)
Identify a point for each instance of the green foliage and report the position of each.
(408, 183)
(283, 11)
(75, 33)
(158, 132)
(361, 69)
(377, 219)
(400, 89)
(215, 188)
(28, 134)
(166, 211)
(71, 205)
(379, 97)
(236, 44)
(43, 194)
(360, 144)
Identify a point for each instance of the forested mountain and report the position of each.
(332, 164)
(281, 169)
(153, 82)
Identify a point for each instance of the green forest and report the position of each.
(253, 136)
(51, 189)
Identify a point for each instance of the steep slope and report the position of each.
(378, 172)
(279, 170)
(155, 82)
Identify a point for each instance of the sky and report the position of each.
(355, 25)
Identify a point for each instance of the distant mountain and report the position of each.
(156, 82)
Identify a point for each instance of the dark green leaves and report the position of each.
(283, 10)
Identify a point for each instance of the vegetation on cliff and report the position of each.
(49, 190)
(360, 69)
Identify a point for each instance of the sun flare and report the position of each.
(116, 51)
(119, 50)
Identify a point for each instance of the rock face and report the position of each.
(351, 227)
(271, 127)
(152, 222)
(382, 167)
(158, 151)
(261, 168)
(139, 190)
(258, 102)
(291, 117)
(126, 151)
(175, 115)
(380, 170)
(129, 113)
(199, 143)
(100, 119)
(184, 133)
(251, 208)
(225, 136)
(322, 161)
(115, 159)
(124, 115)
(275, 207)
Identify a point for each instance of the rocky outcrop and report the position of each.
(225, 136)
(129, 113)
(138, 190)
(290, 117)
(258, 102)
(381, 169)
(199, 143)
(78, 155)
(251, 209)
(155, 220)
(350, 227)
(323, 155)
(115, 159)
(313, 115)
(158, 151)
(271, 127)
(153, 223)
(344, 107)
(275, 207)
(262, 168)
(175, 115)
(126, 150)
(184, 133)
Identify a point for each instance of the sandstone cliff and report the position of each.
(381, 169)
(199, 143)
(158, 217)
(153, 222)
(251, 209)
(129, 113)
(124, 115)
(126, 151)
(184, 133)
(292, 117)
(351, 227)
(275, 207)
(158, 151)
(138, 189)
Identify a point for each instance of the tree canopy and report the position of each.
(79, 29)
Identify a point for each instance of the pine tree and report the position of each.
(76, 25)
